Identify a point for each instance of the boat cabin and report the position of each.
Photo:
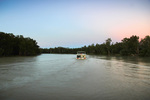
(81, 55)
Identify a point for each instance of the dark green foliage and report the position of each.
(116, 48)
(17, 45)
(128, 47)
(108, 46)
(145, 46)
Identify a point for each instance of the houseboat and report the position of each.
(81, 55)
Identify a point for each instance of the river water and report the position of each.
(63, 77)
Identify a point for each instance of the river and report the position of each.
(63, 77)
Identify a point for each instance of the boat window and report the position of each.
(78, 56)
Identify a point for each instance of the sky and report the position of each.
(75, 23)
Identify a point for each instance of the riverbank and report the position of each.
(11, 45)
(128, 47)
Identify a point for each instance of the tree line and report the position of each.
(127, 47)
(11, 45)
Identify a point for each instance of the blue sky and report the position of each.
(75, 23)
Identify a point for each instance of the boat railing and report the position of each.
(81, 52)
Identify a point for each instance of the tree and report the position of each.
(1, 51)
(130, 46)
(127, 47)
(108, 46)
(17, 45)
(145, 46)
(116, 48)
(134, 45)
